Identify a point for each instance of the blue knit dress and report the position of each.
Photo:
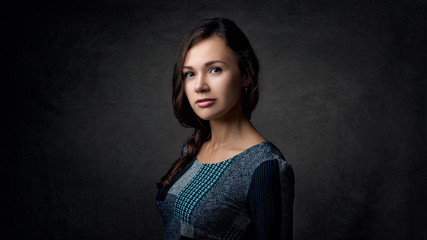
(249, 196)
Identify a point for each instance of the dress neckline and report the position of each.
(229, 159)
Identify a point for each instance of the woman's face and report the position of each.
(212, 80)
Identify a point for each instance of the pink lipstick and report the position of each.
(205, 102)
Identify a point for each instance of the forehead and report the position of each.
(209, 49)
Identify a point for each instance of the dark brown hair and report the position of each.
(248, 65)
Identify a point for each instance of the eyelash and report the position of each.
(214, 70)
(217, 69)
(186, 74)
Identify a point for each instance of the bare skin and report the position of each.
(211, 71)
(229, 139)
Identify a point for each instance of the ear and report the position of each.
(245, 80)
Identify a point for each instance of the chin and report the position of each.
(209, 117)
(209, 114)
(206, 117)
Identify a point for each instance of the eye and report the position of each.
(188, 74)
(215, 70)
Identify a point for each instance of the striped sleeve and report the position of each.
(265, 203)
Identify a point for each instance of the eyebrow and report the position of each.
(208, 64)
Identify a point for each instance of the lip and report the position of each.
(205, 102)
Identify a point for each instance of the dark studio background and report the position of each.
(343, 95)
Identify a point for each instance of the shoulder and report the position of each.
(257, 157)
(270, 167)
(263, 152)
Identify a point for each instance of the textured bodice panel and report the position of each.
(216, 201)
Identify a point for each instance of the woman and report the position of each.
(230, 182)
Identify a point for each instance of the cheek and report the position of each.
(234, 92)
(187, 90)
(234, 87)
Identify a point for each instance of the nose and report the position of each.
(201, 85)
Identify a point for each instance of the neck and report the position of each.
(229, 131)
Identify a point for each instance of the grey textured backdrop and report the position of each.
(343, 95)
